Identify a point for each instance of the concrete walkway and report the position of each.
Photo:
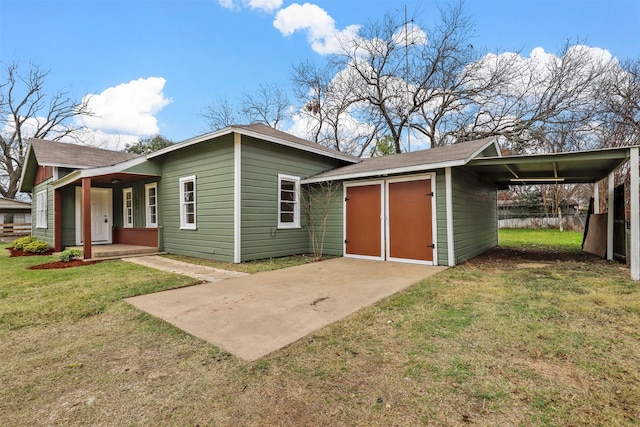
(255, 315)
(200, 272)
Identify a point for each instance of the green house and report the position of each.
(252, 192)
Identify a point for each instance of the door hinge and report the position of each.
(429, 194)
(346, 199)
(432, 246)
(346, 241)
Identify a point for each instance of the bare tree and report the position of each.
(269, 105)
(621, 107)
(328, 98)
(26, 111)
(221, 114)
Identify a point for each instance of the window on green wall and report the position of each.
(188, 202)
(41, 209)
(127, 204)
(151, 204)
(288, 201)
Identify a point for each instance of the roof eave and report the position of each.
(385, 172)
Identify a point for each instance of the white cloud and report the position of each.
(127, 109)
(263, 5)
(316, 23)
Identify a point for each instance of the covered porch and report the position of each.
(107, 220)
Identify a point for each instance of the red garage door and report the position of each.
(363, 226)
(410, 220)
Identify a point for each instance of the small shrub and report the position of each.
(20, 243)
(69, 255)
(36, 247)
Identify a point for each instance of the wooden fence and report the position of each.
(15, 229)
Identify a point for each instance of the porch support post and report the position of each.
(596, 197)
(610, 215)
(634, 207)
(57, 220)
(86, 218)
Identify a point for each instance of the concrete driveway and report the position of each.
(255, 315)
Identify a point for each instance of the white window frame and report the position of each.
(148, 205)
(41, 209)
(296, 203)
(184, 225)
(127, 220)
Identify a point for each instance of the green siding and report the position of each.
(148, 167)
(475, 225)
(68, 195)
(212, 164)
(44, 234)
(441, 218)
(334, 228)
(261, 164)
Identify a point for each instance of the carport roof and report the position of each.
(571, 168)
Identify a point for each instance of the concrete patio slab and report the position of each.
(255, 315)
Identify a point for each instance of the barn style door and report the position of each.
(363, 230)
(410, 220)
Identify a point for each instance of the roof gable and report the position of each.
(265, 133)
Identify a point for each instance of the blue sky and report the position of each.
(154, 65)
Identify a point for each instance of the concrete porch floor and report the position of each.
(115, 251)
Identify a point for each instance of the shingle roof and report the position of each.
(422, 159)
(275, 133)
(53, 153)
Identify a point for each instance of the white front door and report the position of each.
(101, 215)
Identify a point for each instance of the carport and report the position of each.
(573, 168)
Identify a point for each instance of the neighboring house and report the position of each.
(15, 217)
(237, 195)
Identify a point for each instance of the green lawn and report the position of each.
(540, 239)
(480, 344)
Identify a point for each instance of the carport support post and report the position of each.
(86, 218)
(596, 198)
(610, 215)
(634, 207)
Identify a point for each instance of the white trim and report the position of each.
(237, 198)
(125, 224)
(296, 201)
(147, 206)
(634, 207)
(184, 225)
(451, 247)
(596, 198)
(345, 185)
(610, 215)
(430, 177)
(41, 209)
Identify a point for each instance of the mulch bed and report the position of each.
(49, 265)
(62, 264)
(20, 252)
